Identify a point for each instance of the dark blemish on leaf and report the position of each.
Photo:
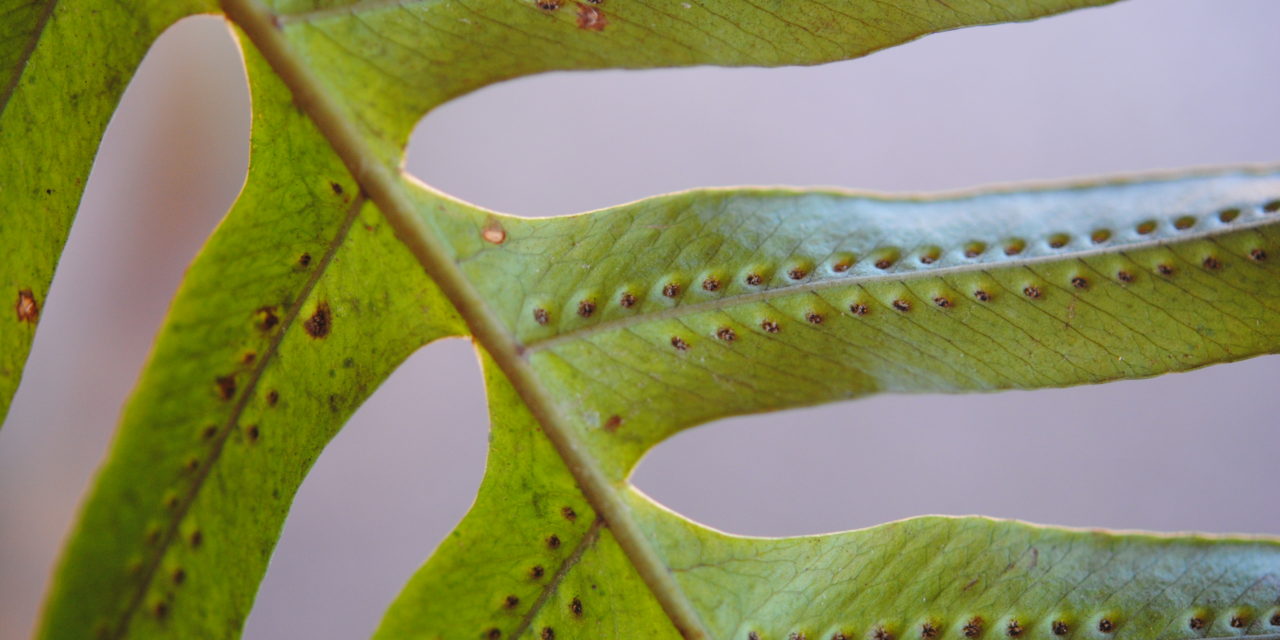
(710, 284)
(548, 5)
(226, 387)
(671, 290)
(901, 305)
(839, 636)
(252, 433)
(796, 635)
(1105, 625)
(1014, 248)
(1258, 255)
(1184, 223)
(152, 536)
(178, 576)
(813, 317)
(569, 514)
(751, 635)
(333, 403)
(1275, 620)
(627, 300)
(493, 634)
(493, 233)
(1059, 240)
(613, 423)
(1032, 291)
(304, 260)
(842, 266)
(586, 308)
(1212, 263)
(591, 18)
(884, 263)
(273, 397)
(575, 607)
(191, 465)
(318, 325)
(209, 432)
(859, 309)
(248, 357)
(536, 572)
(511, 602)
(160, 609)
(726, 334)
(337, 188)
(770, 326)
(679, 344)
(880, 633)
(754, 279)
(942, 301)
(1146, 227)
(27, 308)
(1100, 236)
(196, 538)
(1228, 215)
(797, 273)
(1271, 207)
(973, 628)
(1195, 623)
(541, 316)
(267, 318)
(982, 295)
(1060, 628)
(171, 502)
(929, 258)
(1124, 276)
(928, 631)
(553, 542)
(1079, 282)
(1164, 269)
(970, 584)
(974, 249)
(548, 633)
(1239, 622)
(1013, 629)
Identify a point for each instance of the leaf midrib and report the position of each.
(385, 187)
(732, 300)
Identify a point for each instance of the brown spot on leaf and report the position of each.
(884, 263)
(679, 343)
(197, 538)
(880, 633)
(1275, 619)
(553, 542)
(1212, 263)
(842, 266)
(591, 18)
(1060, 628)
(1032, 291)
(548, 5)
(982, 296)
(973, 628)
(160, 609)
(901, 305)
(613, 423)
(1079, 282)
(226, 387)
(1196, 623)
(586, 308)
(1100, 236)
(1164, 269)
(1124, 276)
(1239, 622)
(304, 260)
(942, 301)
(548, 633)
(493, 233)
(751, 635)
(814, 317)
(511, 602)
(178, 576)
(797, 273)
(928, 631)
(1013, 629)
(859, 309)
(1258, 255)
(541, 316)
(536, 572)
(1105, 625)
(27, 308)
(568, 512)
(273, 397)
(267, 318)
(575, 607)
(493, 634)
(337, 188)
(770, 326)
(726, 334)
(711, 284)
(251, 432)
(754, 279)
(671, 289)
(320, 322)
(627, 300)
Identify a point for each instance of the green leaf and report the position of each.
(276, 336)
(54, 106)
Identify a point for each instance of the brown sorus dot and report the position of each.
(928, 631)
(1032, 291)
(973, 628)
(751, 635)
(586, 308)
(161, 609)
(901, 305)
(1012, 249)
(881, 633)
(1079, 282)
(1227, 215)
(28, 309)
(196, 538)
(1164, 269)
(1100, 236)
(267, 318)
(511, 602)
(575, 607)
(613, 423)
(671, 290)
(796, 635)
(1060, 628)
(548, 633)
(248, 357)
(591, 18)
(982, 295)
(1146, 227)
(192, 464)
(972, 252)
(320, 322)
(153, 535)
(209, 432)
(553, 542)
(1105, 625)
(726, 334)
(1212, 263)
(1271, 207)
(928, 259)
(942, 301)
(753, 279)
(1196, 623)
(1238, 622)
(226, 387)
(251, 432)
(541, 316)
(548, 5)
(171, 502)
(884, 263)
(859, 309)
(1124, 276)
(568, 512)
(1184, 223)
(770, 326)
(1057, 242)
(710, 284)
(797, 273)
(839, 636)
(273, 397)
(536, 572)
(304, 259)
(842, 266)
(493, 634)
(679, 344)
(493, 233)
(1013, 629)
(1258, 255)
(337, 188)
(178, 576)
(1275, 620)
(814, 317)
(627, 300)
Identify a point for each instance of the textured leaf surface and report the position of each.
(277, 334)
(54, 105)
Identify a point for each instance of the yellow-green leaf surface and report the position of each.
(63, 67)
(299, 306)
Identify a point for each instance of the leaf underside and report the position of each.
(604, 333)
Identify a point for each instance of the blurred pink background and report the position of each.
(1146, 84)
